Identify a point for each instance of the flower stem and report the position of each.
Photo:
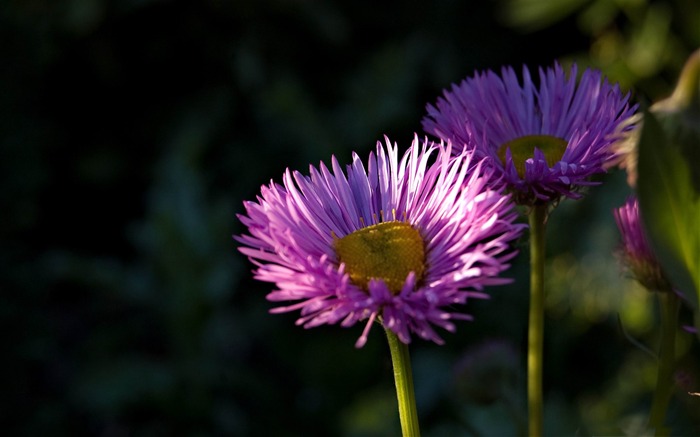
(403, 378)
(669, 305)
(537, 219)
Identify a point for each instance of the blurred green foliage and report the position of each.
(131, 132)
(638, 43)
(671, 204)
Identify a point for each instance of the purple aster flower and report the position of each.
(636, 253)
(401, 242)
(545, 141)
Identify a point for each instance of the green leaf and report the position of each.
(670, 205)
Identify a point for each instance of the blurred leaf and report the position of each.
(648, 49)
(374, 414)
(670, 207)
(598, 15)
(537, 14)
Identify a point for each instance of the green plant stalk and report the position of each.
(669, 304)
(535, 333)
(403, 378)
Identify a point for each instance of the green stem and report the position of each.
(403, 378)
(537, 219)
(669, 305)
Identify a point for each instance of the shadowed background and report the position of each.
(131, 132)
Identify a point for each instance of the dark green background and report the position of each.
(131, 132)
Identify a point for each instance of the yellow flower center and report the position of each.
(523, 148)
(388, 251)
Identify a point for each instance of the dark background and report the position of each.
(131, 132)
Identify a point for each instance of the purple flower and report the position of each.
(401, 242)
(545, 141)
(636, 253)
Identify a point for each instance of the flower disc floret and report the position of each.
(388, 251)
(523, 148)
(324, 240)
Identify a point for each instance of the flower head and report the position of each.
(636, 253)
(545, 141)
(402, 241)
